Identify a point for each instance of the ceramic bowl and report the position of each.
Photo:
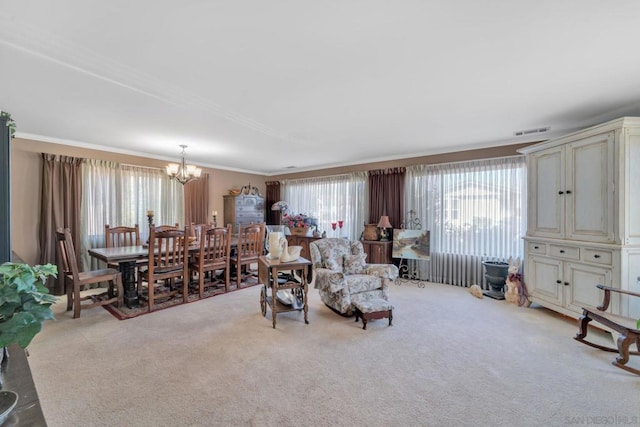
(8, 401)
(284, 297)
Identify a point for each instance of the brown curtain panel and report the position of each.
(273, 195)
(61, 194)
(386, 195)
(196, 201)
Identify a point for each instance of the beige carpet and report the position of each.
(448, 359)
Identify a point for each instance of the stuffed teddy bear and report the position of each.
(516, 290)
(476, 291)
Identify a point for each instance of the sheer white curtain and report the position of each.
(147, 189)
(474, 211)
(330, 199)
(99, 206)
(121, 195)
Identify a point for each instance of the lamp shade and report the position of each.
(384, 222)
(280, 206)
(182, 172)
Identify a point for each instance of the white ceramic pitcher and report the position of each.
(275, 244)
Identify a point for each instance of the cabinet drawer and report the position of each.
(565, 252)
(250, 216)
(247, 209)
(598, 256)
(537, 248)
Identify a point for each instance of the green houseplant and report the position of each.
(11, 124)
(25, 302)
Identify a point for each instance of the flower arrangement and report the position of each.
(298, 221)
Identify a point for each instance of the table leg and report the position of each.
(128, 270)
(274, 289)
(304, 291)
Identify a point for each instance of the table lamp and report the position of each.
(281, 206)
(383, 224)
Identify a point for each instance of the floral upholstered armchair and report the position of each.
(342, 275)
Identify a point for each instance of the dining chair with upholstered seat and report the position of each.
(168, 260)
(214, 254)
(249, 248)
(75, 280)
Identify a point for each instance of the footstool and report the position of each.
(376, 308)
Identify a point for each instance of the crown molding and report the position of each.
(89, 146)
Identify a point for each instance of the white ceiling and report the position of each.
(259, 86)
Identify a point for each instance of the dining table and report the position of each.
(128, 257)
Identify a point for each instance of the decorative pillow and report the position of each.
(356, 247)
(354, 264)
(333, 264)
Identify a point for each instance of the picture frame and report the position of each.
(411, 244)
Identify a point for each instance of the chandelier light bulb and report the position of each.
(182, 172)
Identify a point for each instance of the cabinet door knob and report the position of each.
(566, 283)
(568, 191)
(560, 192)
(561, 251)
(596, 256)
(558, 281)
(536, 247)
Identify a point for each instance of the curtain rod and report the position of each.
(138, 166)
(513, 156)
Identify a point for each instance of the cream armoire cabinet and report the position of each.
(583, 223)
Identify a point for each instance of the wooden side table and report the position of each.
(302, 241)
(298, 275)
(378, 252)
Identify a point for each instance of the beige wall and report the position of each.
(26, 171)
(26, 179)
(458, 156)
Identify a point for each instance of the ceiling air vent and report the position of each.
(531, 131)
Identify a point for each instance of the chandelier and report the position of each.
(183, 172)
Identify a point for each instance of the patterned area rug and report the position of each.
(123, 312)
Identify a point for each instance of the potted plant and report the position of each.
(25, 302)
(11, 124)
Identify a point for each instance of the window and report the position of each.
(474, 210)
(121, 195)
(330, 199)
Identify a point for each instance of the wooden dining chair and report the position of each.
(121, 236)
(116, 237)
(167, 261)
(176, 226)
(214, 254)
(250, 247)
(75, 281)
(197, 228)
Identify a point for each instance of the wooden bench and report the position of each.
(627, 328)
